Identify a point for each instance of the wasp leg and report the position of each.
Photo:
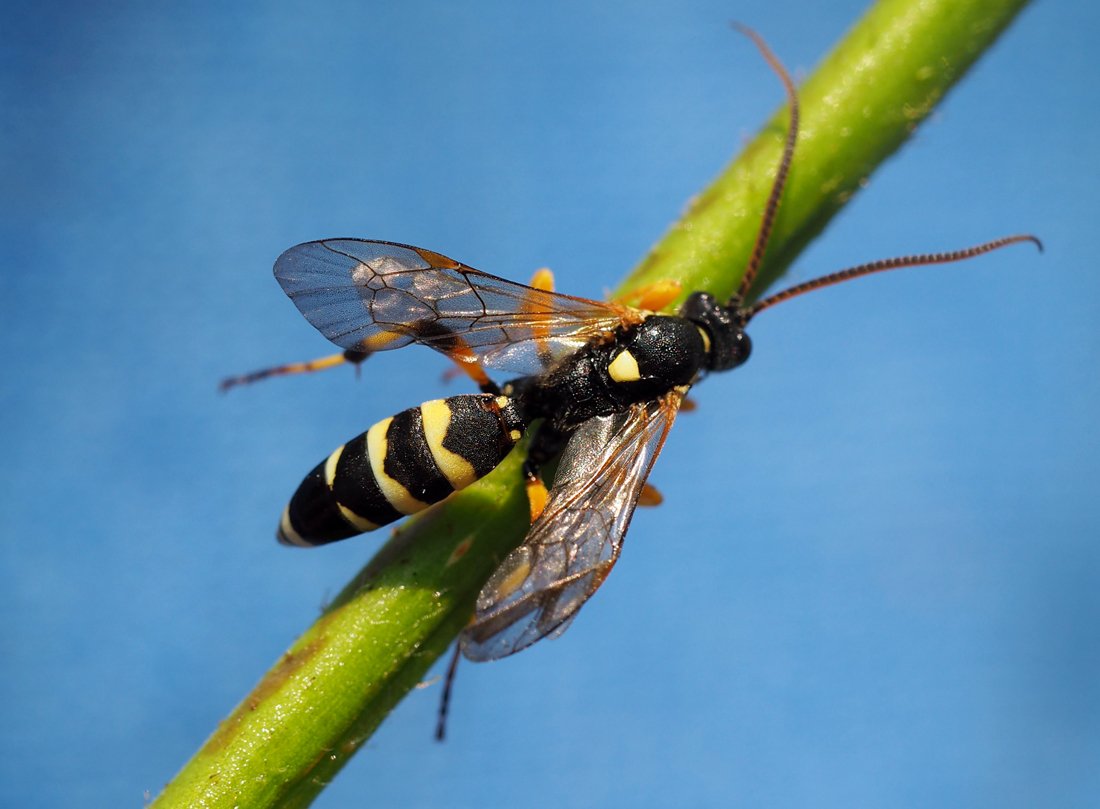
(453, 373)
(652, 297)
(472, 370)
(542, 280)
(355, 358)
(650, 496)
(465, 359)
(465, 363)
(545, 446)
(548, 442)
(537, 494)
(445, 698)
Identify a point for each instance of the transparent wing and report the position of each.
(372, 296)
(572, 547)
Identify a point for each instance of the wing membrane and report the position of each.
(373, 296)
(572, 547)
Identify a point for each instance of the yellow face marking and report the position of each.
(624, 368)
(502, 401)
(706, 338)
(357, 522)
(330, 465)
(397, 495)
(515, 435)
(436, 416)
(287, 534)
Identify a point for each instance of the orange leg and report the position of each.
(356, 358)
(537, 496)
(542, 280)
(651, 297)
(650, 496)
(466, 360)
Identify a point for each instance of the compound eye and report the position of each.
(742, 348)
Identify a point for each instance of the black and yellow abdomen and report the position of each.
(400, 466)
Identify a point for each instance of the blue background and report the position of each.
(875, 578)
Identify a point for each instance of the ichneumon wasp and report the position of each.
(602, 382)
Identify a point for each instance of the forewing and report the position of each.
(573, 545)
(373, 296)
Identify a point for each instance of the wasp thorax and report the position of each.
(661, 353)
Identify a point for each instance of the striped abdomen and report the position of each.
(401, 466)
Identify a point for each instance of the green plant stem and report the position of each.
(328, 693)
(858, 107)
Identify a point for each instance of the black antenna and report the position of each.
(771, 207)
(886, 264)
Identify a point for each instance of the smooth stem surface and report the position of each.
(327, 694)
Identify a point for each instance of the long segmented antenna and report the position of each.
(887, 264)
(772, 205)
